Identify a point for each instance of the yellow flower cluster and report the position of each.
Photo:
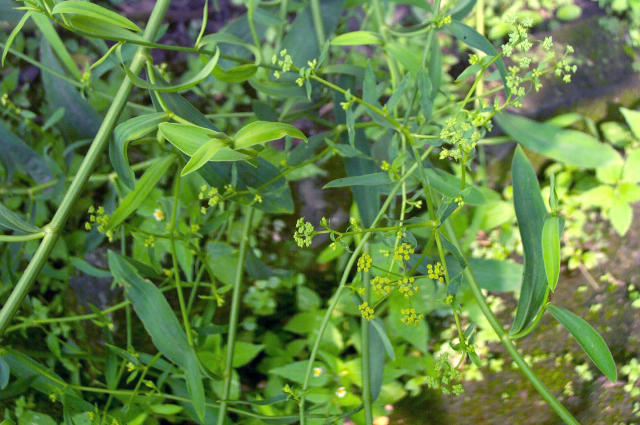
(210, 193)
(436, 272)
(403, 252)
(366, 311)
(100, 219)
(410, 317)
(407, 288)
(364, 263)
(381, 285)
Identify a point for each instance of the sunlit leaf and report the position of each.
(85, 8)
(259, 132)
(356, 38)
(551, 250)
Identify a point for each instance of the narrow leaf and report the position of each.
(14, 34)
(374, 179)
(13, 221)
(356, 38)
(382, 333)
(125, 132)
(143, 187)
(589, 339)
(531, 213)
(258, 132)
(551, 250)
(187, 137)
(48, 31)
(158, 319)
(202, 156)
(92, 10)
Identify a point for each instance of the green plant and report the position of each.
(183, 240)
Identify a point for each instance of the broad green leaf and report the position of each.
(589, 339)
(202, 156)
(14, 34)
(101, 29)
(48, 31)
(496, 275)
(296, 372)
(156, 315)
(568, 12)
(259, 132)
(356, 38)
(631, 170)
(87, 268)
(166, 409)
(633, 120)
(569, 146)
(142, 189)
(188, 138)
(462, 9)
(201, 75)
(244, 352)
(474, 39)
(278, 89)
(621, 216)
(125, 132)
(374, 179)
(448, 184)
(408, 58)
(85, 8)
(551, 250)
(13, 221)
(531, 214)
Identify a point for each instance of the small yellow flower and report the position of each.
(436, 272)
(364, 263)
(366, 311)
(158, 214)
(403, 252)
(317, 371)
(410, 317)
(341, 392)
(385, 166)
(381, 285)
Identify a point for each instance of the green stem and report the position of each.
(56, 226)
(508, 344)
(316, 13)
(21, 238)
(233, 316)
(366, 354)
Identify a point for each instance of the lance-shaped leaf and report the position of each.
(143, 187)
(202, 156)
(94, 11)
(13, 221)
(259, 132)
(473, 38)
(201, 75)
(187, 137)
(373, 179)
(531, 213)
(551, 250)
(101, 29)
(356, 38)
(589, 339)
(158, 319)
(14, 34)
(125, 132)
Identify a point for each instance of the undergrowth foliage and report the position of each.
(191, 223)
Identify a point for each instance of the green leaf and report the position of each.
(407, 57)
(633, 120)
(13, 221)
(237, 74)
(474, 39)
(188, 138)
(185, 85)
(462, 9)
(374, 179)
(568, 12)
(4, 374)
(202, 156)
(48, 31)
(621, 216)
(551, 250)
(125, 132)
(93, 27)
(376, 359)
(589, 339)
(569, 146)
(85, 8)
(631, 170)
(296, 372)
(378, 326)
(356, 38)
(259, 132)
(244, 352)
(158, 319)
(449, 185)
(87, 268)
(531, 214)
(14, 34)
(142, 189)
(16, 153)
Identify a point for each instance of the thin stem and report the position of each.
(508, 344)
(366, 354)
(233, 316)
(53, 230)
(316, 13)
(21, 238)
